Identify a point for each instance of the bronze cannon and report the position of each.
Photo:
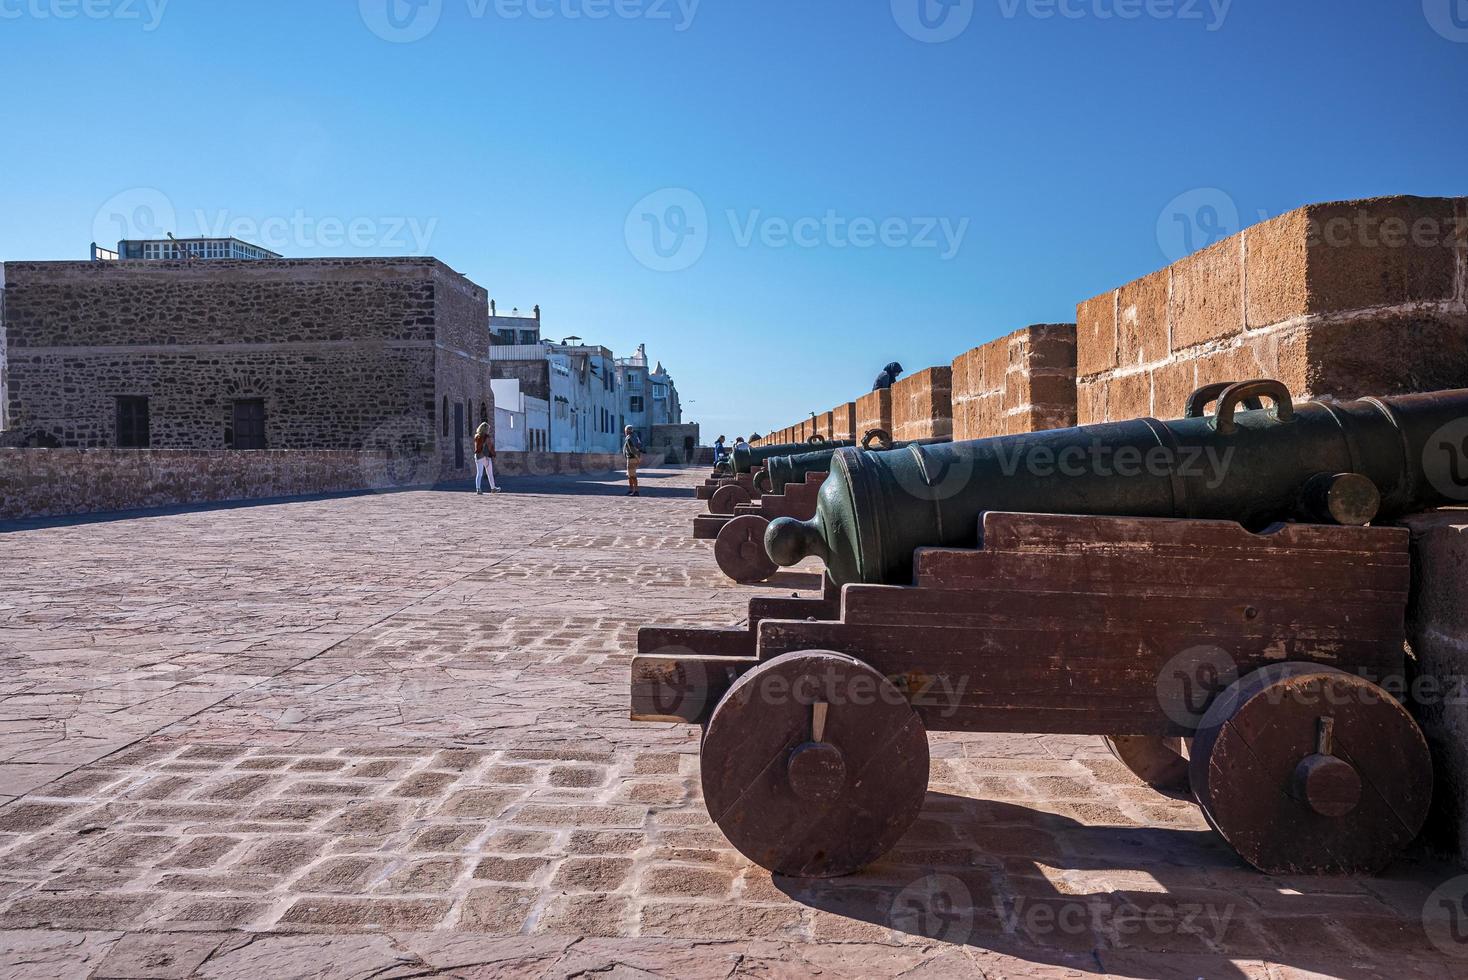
(1240, 601)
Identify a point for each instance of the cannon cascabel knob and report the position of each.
(789, 542)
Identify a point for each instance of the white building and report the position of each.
(521, 422)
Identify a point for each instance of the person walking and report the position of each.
(484, 460)
(632, 449)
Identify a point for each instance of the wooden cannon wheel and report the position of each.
(1161, 763)
(814, 765)
(1305, 769)
(740, 549)
(724, 499)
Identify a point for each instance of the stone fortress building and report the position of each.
(302, 354)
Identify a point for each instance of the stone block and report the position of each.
(922, 406)
(874, 411)
(1096, 338)
(1207, 295)
(1141, 319)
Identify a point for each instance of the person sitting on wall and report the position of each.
(888, 377)
(484, 459)
(632, 449)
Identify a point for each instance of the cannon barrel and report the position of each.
(784, 470)
(1325, 462)
(745, 460)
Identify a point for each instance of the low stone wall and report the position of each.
(843, 422)
(1437, 625)
(922, 406)
(567, 464)
(63, 482)
(1335, 300)
(1024, 382)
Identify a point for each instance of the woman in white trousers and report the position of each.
(484, 459)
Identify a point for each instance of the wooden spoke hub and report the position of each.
(740, 549)
(1306, 769)
(814, 765)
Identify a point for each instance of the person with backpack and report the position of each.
(632, 450)
(484, 459)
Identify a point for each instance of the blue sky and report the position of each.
(833, 184)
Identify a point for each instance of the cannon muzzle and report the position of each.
(1322, 462)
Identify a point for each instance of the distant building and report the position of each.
(265, 354)
(182, 250)
(578, 382)
(514, 329)
(521, 421)
(649, 397)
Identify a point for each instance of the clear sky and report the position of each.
(776, 196)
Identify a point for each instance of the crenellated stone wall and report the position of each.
(1024, 382)
(1335, 300)
(922, 406)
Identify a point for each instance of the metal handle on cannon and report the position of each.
(816, 439)
(1198, 401)
(881, 436)
(1228, 403)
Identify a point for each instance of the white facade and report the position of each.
(520, 421)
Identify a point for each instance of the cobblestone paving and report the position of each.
(386, 736)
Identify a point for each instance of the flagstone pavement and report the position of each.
(387, 736)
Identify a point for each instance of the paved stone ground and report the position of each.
(386, 736)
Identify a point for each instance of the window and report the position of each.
(483, 412)
(634, 404)
(132, 422)
(445, 416)
(634, 381)
(249, 424)
(659, 392)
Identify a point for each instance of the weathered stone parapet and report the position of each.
(843, 422)
(1023, 382)
(568, 464)
(61, 482)
(874, 411)
(922, 406)
(1335, 300)
(1437, 624)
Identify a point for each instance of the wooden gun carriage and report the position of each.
(1245, 668)
(739, 538)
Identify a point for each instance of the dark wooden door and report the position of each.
(249, 424)
(459, 436)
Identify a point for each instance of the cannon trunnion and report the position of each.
(1250, 667)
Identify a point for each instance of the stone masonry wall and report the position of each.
(462, 368)
(1335, 300)
(61, 482)
(874, 411)
(345, 353)
(843, 422)
(922, 406)
(1024, 382)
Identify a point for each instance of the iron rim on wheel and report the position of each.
(814, 765)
